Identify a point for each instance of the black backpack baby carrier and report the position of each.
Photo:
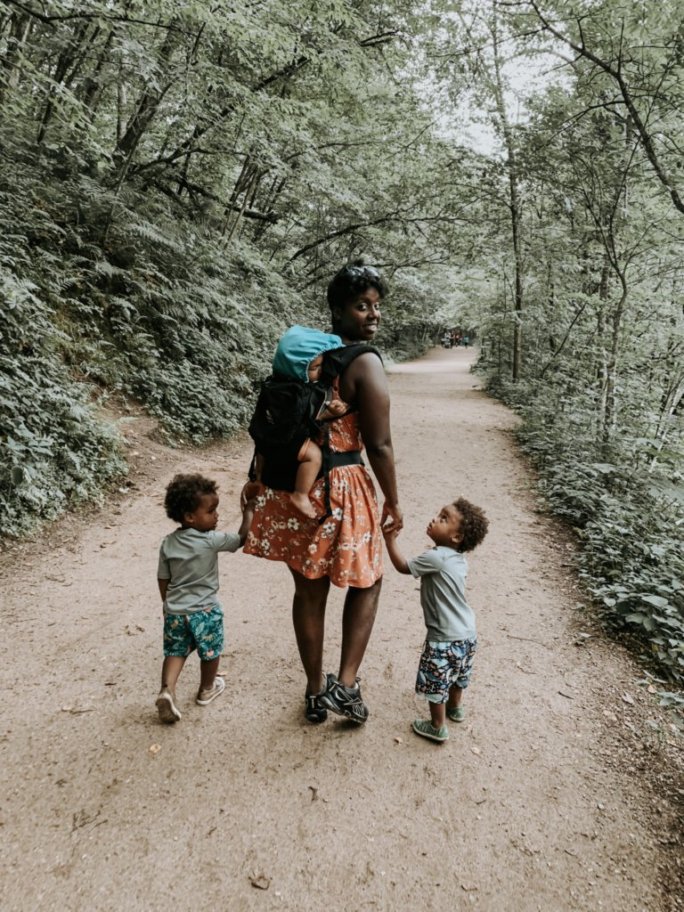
(286, 414)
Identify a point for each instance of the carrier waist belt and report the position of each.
(335, 460)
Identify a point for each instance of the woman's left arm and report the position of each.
(366, 385)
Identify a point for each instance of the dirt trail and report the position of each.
(538, 802)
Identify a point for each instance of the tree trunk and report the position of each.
(612, 369)
(243, 184)
(92, 82)
(602, 371)
(514, 205)
(145, 109)
(20, 26)
(68, 60)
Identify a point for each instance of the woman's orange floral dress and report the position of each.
(347, 546)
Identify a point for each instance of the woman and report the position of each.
(346, 548)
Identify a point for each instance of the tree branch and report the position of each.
(563, 341)
(196, 189)
(391, 217)
(583, 51)
(382, 38)
(348, 229)
(65, 17)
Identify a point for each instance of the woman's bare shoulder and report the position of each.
(366, 371)
(366, 364)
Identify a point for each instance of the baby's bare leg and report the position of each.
(310, 461)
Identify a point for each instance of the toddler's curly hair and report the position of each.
(474, 524)
(183, 494)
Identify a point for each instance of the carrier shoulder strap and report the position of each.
(335, 362)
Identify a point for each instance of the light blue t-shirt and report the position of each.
(189, 560)
(442, 573)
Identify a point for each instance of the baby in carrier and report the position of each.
(291, 405)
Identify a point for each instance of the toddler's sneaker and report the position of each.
(425, 729)
(204, 697)
(457, 714)
(167, 709)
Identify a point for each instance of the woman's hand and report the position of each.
(389, 534)
(251, 490)
(390, 531)
(392, 519)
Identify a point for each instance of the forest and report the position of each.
(180, 179)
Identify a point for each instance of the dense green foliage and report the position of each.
(179, 180)
(586, 311)
(178, 183)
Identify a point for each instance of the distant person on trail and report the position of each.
(345, 549)
(188, 584)
(451, 641)
(299, 358)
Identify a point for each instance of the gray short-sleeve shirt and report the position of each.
(442, 573)
(189, 560)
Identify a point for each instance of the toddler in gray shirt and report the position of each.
(188, 584)
(451, 641)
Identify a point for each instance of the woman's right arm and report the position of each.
(365, 384)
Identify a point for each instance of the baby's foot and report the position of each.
(303, 503)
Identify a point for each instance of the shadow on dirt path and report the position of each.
(540, 800)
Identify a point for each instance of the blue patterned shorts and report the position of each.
(442, 665)
(201, 630)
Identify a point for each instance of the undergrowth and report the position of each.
(627, 512)
(101, 295)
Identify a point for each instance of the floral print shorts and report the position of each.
(442, 665)
(201, 630)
